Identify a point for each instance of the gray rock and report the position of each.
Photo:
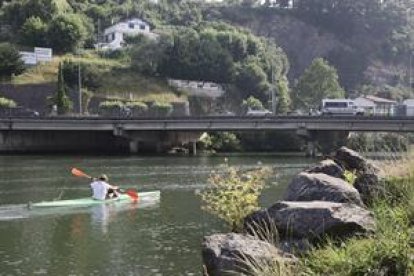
(328, 167)
(352, 160)
(319, 186)
(224, 253)
(369, 186)
(313, 220)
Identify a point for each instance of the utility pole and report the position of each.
(274, 102)
(80, 88)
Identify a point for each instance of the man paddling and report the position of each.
(102, 190)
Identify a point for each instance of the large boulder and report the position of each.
(319, 186)
(369, 186)
(353, 161)
(313, 220)
(328, 167)
(226, 253)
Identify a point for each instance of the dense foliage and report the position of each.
(10, 61)
(320, 81)
(61, 100)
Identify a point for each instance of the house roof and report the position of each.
(363, 102)
(122, 26)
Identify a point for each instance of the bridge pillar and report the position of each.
(310, 149)
(193, 148)
(133, 146)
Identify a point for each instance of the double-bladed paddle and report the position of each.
(131, 192)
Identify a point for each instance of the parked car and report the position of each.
(258, 113)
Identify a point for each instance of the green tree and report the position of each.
(61, 100)
(10, 61)
(319, 81)
(283, 95)
(34, 32)
(252, 103)
(252, 80)
(67, 32)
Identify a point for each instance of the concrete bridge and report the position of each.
(94, 133)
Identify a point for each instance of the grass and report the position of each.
(47, 72)
(390, 250)
(118, 83)
(123, 84)
(385, 253)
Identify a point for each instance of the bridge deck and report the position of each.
(344, 123)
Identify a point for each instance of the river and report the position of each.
(158, 238)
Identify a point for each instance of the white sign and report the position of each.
(29, 58)
(43, 54)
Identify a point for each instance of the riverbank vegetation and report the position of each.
(387, 251)
(233, 194)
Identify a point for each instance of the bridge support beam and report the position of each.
(311, 149)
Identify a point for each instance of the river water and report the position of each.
(162, 237)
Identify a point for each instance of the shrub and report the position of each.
(91, 75)
(111, 104)
(221, 142)
(161, 109)
(232, 194)
(137, 108)
(7, 103)
(10, 60)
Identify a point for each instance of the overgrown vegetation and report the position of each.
(232, 193)
(390, 250)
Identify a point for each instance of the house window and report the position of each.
(113, 37)
(131, 25)
(142, 26)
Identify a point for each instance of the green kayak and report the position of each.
(89, 201)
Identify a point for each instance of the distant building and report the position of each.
(409, 107)
(198, 88)
(114, 35)
(373, 105)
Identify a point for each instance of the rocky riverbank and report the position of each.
(319, 205)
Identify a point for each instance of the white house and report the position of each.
(409, 105)
(114, 35)
(373, 105)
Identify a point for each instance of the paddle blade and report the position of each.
(132, 193)
(79, 173)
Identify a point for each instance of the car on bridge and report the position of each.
(258, 113)
(340, 107)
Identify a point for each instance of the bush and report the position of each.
(137, 108)
(233, 194)
(160, 109)
(375, 142)
(221, 142)
(7, 103)
(91, 75)
(10, 61)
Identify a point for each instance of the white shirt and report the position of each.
(99, 189)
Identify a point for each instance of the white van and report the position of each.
(340, 107)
